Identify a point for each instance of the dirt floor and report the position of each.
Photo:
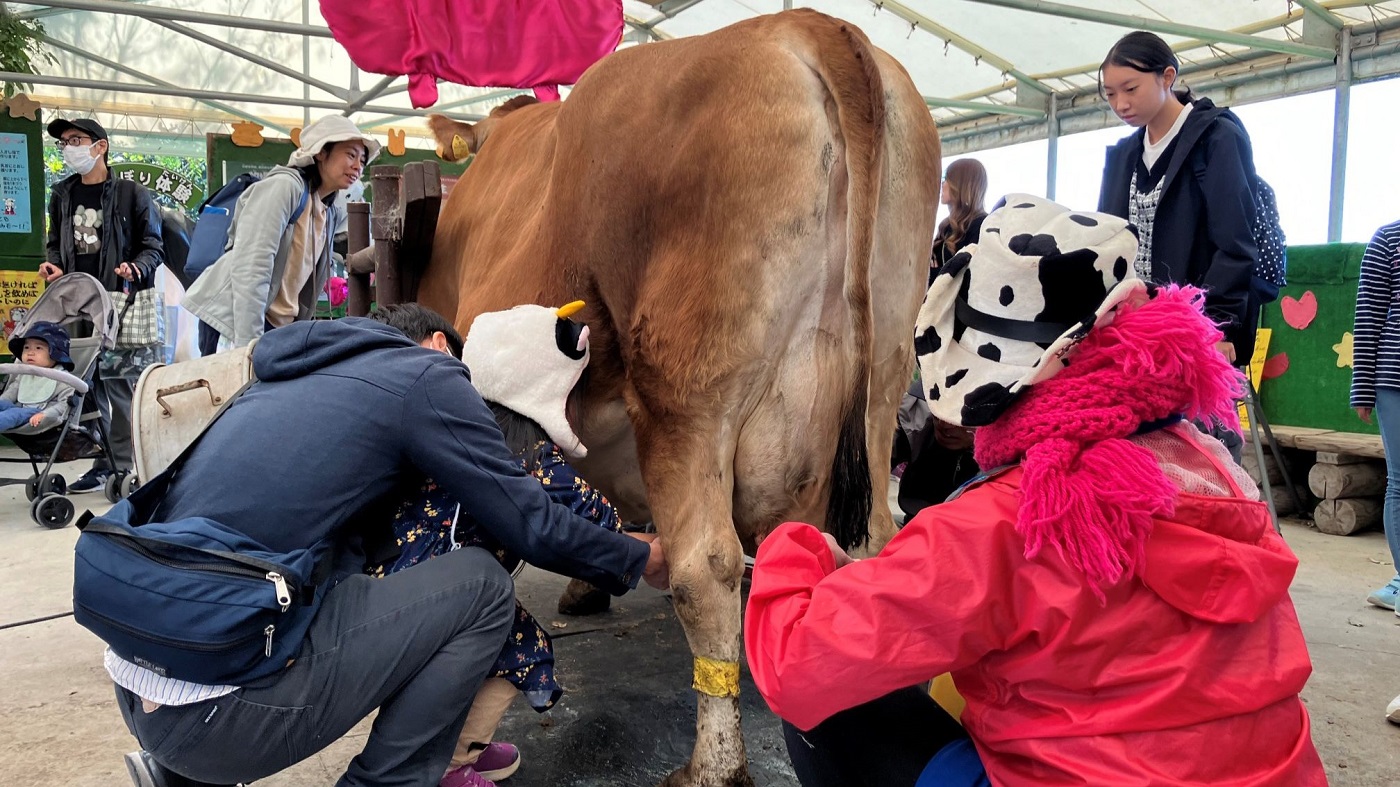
(627, 717)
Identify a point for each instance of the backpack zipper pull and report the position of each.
(267, 632)
(283, 596)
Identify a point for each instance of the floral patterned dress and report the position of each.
(429, 525)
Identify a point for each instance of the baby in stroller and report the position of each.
(46, 412)
(34, 397)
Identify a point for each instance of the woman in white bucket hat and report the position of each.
(279, 244)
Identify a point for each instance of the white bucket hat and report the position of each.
(1004, 312)
(328, 131)
(529, 359)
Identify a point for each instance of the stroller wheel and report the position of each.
(31, 488)
(52, 511)
(112, 488)
(56, 485)
(129, 484)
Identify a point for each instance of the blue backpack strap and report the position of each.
(981, 478)
(301, 207)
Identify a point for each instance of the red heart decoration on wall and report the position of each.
(1275, 366)
(1300, 312)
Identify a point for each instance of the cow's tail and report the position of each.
(845, 62)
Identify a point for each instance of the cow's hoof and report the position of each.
(686, 777)
(581, 598)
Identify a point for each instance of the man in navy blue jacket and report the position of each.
(346, 418)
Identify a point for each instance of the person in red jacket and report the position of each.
(1110, 597)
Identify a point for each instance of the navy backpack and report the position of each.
(209, 240)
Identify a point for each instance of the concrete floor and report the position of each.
(627, 717)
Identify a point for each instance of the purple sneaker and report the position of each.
(498, 762)
(465, 776)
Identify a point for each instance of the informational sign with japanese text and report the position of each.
(160, 180)
(15, 215)
(18, 291)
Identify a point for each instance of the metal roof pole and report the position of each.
(368, 95)
(1162, 26)
(197, 17)
(441, 108)
(1341, 120)
(207, 95)
(1332, 20)
(306, 64)
(985, 106)
(129, 71)
(236, 51)
(1052, 160)
(976, 50)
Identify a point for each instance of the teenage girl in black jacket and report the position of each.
(1185, 179)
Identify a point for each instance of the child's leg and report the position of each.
(492, 700)
(12, 416)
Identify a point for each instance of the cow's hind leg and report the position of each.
(689, 474)
(581, 598)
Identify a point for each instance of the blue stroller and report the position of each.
(74, 300)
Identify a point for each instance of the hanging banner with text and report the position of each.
(162, 181)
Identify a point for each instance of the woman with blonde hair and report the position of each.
(964, 191)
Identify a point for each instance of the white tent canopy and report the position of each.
(994, 72)
(980, 62)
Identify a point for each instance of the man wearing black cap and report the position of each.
(108, 228)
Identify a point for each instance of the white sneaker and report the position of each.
(1392, 711)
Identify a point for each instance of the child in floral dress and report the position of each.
(524, 362)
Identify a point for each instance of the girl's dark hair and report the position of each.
(521, 434)
(1148, 53)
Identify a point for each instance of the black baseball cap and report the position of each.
(85, 125)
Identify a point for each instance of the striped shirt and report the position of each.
(152, 687)
(1376, 336)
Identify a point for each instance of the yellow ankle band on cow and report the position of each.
(716, 678)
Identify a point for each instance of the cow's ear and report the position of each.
(455, 140)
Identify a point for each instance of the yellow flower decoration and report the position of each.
(1344, 350)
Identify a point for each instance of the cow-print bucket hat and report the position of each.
(1004, 313)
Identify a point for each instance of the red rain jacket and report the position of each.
(487, 43)
(1188, 675)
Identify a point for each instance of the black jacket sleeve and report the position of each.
(145, 230)
(450, 435)
(1225, 177)
(53, 247)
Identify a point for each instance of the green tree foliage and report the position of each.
(21, 51)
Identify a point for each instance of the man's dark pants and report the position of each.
(416, 645)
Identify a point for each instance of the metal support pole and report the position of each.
(206, 95)
(1341, 121)
(306, 63)
(985, 106)
(182, 15)
(1052, 156)
(386, 225)
(1162, 26)
(787, 5)
(271, 65)
(129, 71)
(360, 297)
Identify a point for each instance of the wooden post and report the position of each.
(1340, 481)
(359, 298)
(1348, 515)
(386, 228)
(420, 200)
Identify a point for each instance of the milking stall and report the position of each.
(907, 393)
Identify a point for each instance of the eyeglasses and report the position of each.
(76, 139)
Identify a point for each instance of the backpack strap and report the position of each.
(168, 474)
(301, 207)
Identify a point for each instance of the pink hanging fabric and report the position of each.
(535, 44)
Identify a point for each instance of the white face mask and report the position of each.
(79, 159)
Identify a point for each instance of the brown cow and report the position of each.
(748, 216)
